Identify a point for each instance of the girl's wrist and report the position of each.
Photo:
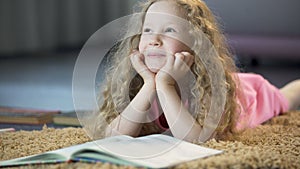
(164, 80)
(149, 84)
(149, 92)
(165, 85)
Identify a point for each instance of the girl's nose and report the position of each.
(155, 40)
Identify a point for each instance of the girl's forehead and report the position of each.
(166, 7)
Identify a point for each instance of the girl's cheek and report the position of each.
(141, 47)
(182, 47)
(176, 48)
(142, 44)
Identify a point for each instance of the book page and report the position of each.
(55, 156)
(61, 155)
(157, 150)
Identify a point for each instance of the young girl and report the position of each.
(162, 80)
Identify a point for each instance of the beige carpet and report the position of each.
(275, 144)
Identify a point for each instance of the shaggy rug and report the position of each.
(275, 144)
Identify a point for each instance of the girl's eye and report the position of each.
(170, 30)
(146, 30)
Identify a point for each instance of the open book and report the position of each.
(153, 151)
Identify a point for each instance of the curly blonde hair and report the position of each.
(123, 83)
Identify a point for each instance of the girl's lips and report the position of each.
(156, 55)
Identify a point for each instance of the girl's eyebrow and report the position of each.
(165, 23)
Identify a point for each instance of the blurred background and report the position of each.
(41, 39)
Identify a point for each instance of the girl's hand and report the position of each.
(175, 69)
(137, 61)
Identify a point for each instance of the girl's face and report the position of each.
(164, 33)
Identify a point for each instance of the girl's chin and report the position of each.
(154, 70)
(154, 65)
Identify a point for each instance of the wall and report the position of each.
(43, 25)
(258, 17)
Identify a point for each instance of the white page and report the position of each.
(157, 151)
(65, 153)
(94, 145)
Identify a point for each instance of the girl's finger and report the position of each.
(186, 56)
(170, 60)
(137, 60)
(179, 59)
(189, 58)
(135, 53)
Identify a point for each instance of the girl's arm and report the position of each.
(130, 121)
(181, 122)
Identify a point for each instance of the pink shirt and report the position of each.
(261, 101)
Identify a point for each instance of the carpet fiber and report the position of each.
(275, 144)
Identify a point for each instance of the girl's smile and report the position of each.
(155, 55)
(155, 59)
